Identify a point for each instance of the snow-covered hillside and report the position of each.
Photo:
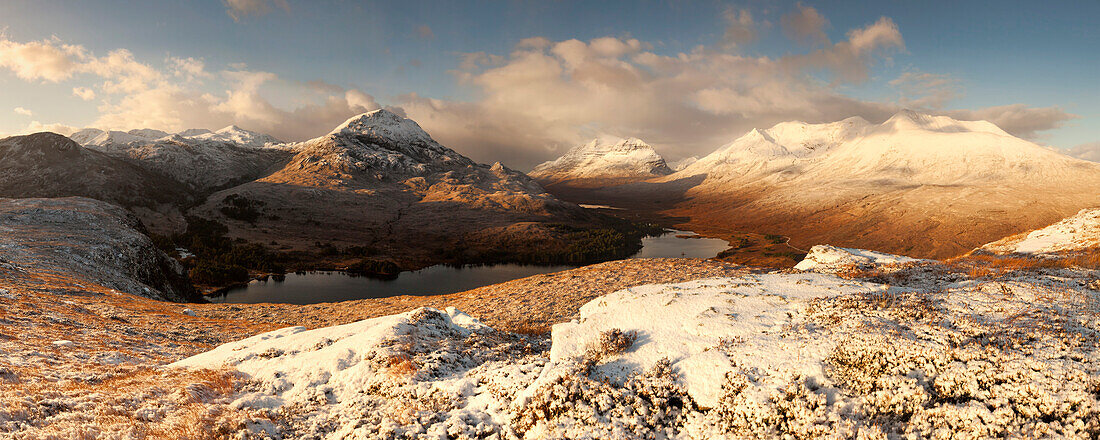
(775, 355)
(204, 160)
(94, 137)
(376, 142)
(909, 148)
(1080, 232)
(52, 165)
(831, 259)
(604, 160)
(923, 185)
(683, 163)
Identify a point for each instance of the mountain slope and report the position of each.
(601, 162)
(51, 165)
(381, 182)
(205, 160)
(90, 241)
(920, 185)
(1080, 232)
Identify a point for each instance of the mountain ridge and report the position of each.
(601, 161)
(921, 185)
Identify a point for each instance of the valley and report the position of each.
(501, 220)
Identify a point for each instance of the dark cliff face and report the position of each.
(89, 240)
(51, 165)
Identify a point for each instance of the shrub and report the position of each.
(214, 273)
(238, 207)
(373, 268)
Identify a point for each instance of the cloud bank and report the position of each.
(543, 97)
(176, 94)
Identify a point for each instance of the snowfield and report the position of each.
(933, 353)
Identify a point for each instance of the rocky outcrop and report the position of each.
(90, 241)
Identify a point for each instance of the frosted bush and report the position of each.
(650, 405)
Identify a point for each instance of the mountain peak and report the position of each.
(605, 158)
(907, 119)
(384, 125)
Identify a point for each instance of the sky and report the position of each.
(522, 81)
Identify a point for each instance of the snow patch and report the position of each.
(707, 328)
(1076, 233)
(832, 259)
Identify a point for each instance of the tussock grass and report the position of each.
(143, 403)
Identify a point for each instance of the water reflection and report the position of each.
(316, 287)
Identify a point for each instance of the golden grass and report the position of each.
(985, 265)
(186, 404)
(402, 365)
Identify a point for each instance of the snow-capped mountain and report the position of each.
(603, 161)
(1080, 232)
(94, 137)
(683, 163)
(204, 160)
(380, 179)
(909, 147)
(379, 141)
(234, 135)
(917, 184)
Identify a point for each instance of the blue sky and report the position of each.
(1028, 66)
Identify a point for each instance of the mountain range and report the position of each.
(378, 183)
(916, 184)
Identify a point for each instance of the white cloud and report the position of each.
(1089, 151)
(138, 95)
(46, 60)
(1017, 119)
(239, 9)
(920, 90)
(23, 111)
(84, 93)
(805, 25)
(38, 127)
(546, 96)
(176, 107)
(54, 61)
(188, 68)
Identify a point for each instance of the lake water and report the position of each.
(316, 287)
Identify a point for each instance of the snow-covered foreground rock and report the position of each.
(831, 259)
(706, 328)
(932, 354)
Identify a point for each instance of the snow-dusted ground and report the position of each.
(803, 354)
(1077, 233)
